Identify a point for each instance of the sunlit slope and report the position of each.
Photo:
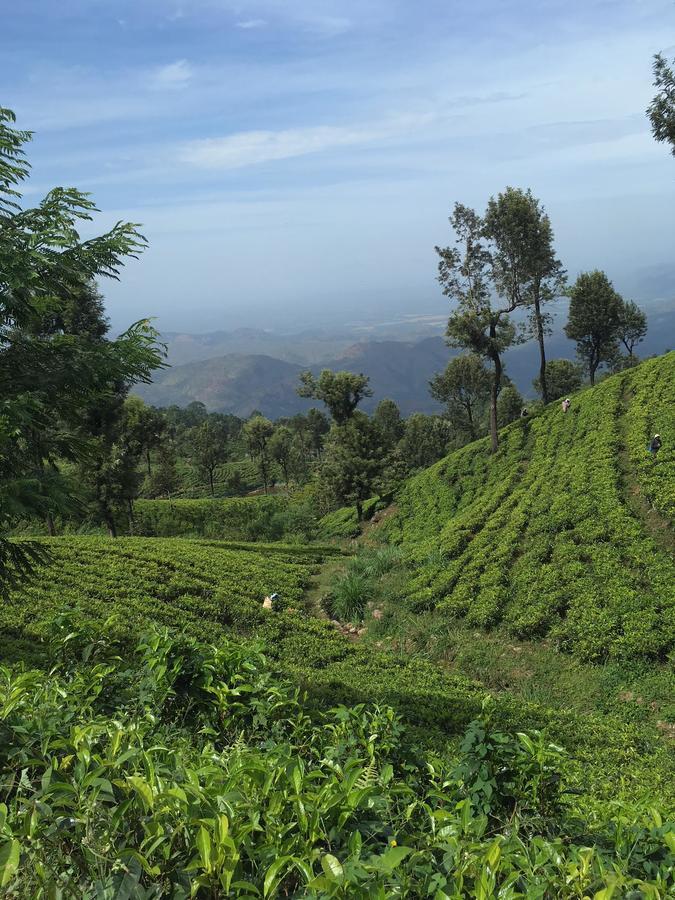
(127, 584)
(116, 589)
(541, 536)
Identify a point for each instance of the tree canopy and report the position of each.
(52, 367)
(661, 110)
(593, 322)
(340, 391)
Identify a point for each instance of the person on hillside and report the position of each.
(268, 602)
(655, 445)
(523, 413)
(566, 404)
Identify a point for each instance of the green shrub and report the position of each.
(189, 770)
(349, 595)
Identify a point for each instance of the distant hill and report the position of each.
(249, 369)
(239, 383)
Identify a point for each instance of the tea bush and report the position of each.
(539, 537)
(239, 518)
(651, 410)
(213, 591)
(124, 584)
(188, 770)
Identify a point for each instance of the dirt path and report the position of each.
(656, 525)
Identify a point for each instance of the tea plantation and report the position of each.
(176, 739)
(541, 538)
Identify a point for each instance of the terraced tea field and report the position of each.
(201, 586)
(540, 538)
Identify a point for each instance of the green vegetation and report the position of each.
(240, 518)
(649, 410)
(246, 746)
(189, 770)
(537, 537)
(122, 586)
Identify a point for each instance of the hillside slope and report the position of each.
(213, 591)
(566, 532)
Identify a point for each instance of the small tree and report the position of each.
(319, 426)
(340, 391)
(165, 479)
(425, 441)
(464, 389)
(509, 405)
(354, 461)
(146, 424)
(257, 434)
(387, 417)
(209, 450)
(632, 326)
(525, 268)
(563, 377)
(281, 450)
(661, 110)
(593, 322)
(476, 325)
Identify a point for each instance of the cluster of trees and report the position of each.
(503, 261)
(366, 456)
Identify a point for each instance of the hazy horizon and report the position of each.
(295, 163)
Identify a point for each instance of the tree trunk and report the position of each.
(494, 394)
(50, 524)
(110, 524)
(130, 515)
(542, 350)
(469, 418)
(593, 363)
(147, 460)
(213, 493)
(359, 511)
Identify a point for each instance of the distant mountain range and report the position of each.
(249, 369)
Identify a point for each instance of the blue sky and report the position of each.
(295, 162)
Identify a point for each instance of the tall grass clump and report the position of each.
(350, 594)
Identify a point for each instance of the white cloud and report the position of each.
(248, 24)
(173, 75)
(248, 148)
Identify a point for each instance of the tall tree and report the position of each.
(257, 433)
(51, 375)
(661, 110)
(209, 446)
(525, 268)
(476, 325)
(593, 320)
(464, 389)
(340, 391)
(632, 326)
